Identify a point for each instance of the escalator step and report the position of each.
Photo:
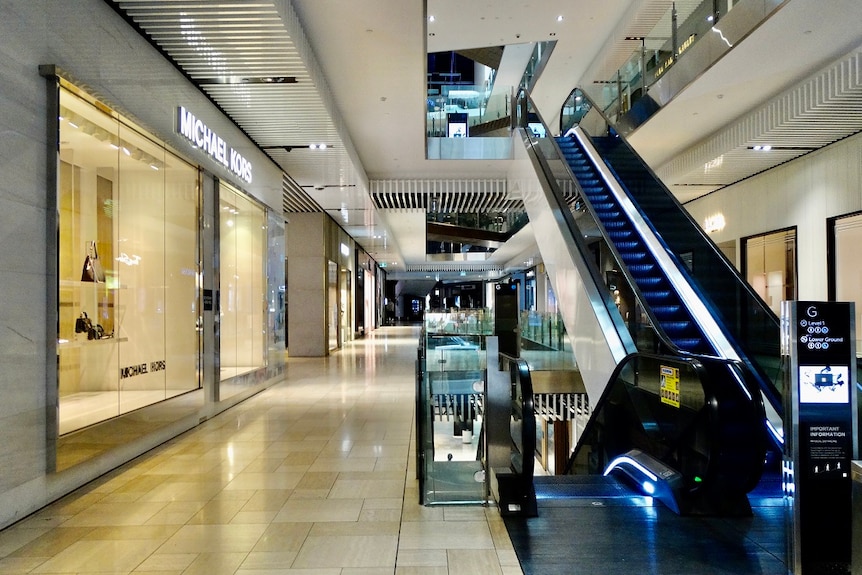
(621, 235)
(633, 257)
(689, 343)
(657, 294)
(666, 310)
(641, 269)
(675, 327)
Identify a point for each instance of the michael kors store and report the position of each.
(170, 274)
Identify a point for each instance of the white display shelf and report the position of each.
(72, 344)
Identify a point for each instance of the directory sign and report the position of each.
(819, 430)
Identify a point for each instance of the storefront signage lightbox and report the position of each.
(202, 137)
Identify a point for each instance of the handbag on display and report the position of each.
(83, 324)
(96, 332)
(92, 271)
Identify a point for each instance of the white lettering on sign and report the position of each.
(203, 138)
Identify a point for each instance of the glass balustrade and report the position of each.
(620, 97)
(452, 389)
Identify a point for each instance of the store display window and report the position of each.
(847, 274)
(243, 286)
(128, 253)
(770, 266)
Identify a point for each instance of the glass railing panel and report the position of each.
(464, 322)
(545, 330)
(541, 53)
(509, 222)
(679, 29)
(451, 107)
(453, 390)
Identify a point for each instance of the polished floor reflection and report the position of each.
(314, 475)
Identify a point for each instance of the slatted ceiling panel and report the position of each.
(452, 196)
(455, 267)
(823, 109)
(221, 45)
(295, 199)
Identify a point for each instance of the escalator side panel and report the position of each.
(598, 334)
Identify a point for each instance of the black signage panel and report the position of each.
(208, 299)
(507, 318)
(822, 423)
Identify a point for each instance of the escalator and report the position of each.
(743, 327)
(683, 370)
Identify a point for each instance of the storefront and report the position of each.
(128, 248)
(170, 276)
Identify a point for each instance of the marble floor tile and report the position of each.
(275, 480)
(446, 535)
(204, 538)
(422, 558)
(52, 542)
(99, 556)
(314, 510)
(472, 561)
(313, 476)
(366, 488)
(352, 551)
(282, 537)
(261, 561)
(223, 563)
(160, 562)
(267, 500)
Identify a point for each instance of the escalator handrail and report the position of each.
(519, 371)
(540, 158)
(682, 286)
(665, 340)
(606, 311)
(751, 296)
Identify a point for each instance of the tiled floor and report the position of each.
(313, 476)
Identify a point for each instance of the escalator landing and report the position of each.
(595, 525)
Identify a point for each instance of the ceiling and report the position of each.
(351, 75)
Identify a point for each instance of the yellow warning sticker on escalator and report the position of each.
(670, 385)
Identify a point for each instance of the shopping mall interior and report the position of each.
(511, 287)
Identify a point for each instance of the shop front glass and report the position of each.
(243, 287)
(848, 273)
(770, 266)
(127, 263)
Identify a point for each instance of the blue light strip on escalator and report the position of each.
(625, 459)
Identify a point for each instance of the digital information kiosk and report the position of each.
(819, 433)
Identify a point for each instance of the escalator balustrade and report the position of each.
(658, 294)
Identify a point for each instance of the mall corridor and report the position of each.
(315, 475)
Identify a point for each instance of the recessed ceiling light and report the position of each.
(431, 18)
(560, 18)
